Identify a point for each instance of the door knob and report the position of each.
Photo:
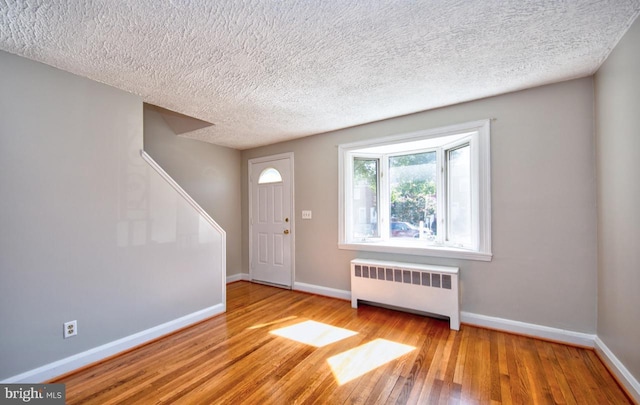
(286, 232)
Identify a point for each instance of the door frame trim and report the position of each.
(263, 159)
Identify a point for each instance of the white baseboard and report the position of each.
(238, 277)
(529, 329)
(326, 291)
(618, 369)
(51, 370)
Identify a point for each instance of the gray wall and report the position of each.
(617, 86)
(544, 215)
(88, 231)
(209, 173)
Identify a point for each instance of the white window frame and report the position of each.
(478, 137)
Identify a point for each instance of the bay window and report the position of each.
(424, 193)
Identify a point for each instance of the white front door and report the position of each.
(271, 219)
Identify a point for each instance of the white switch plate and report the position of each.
(306, 214)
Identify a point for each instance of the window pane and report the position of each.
(270, 175)
(365, 198)
(459, 203)
(413, 195)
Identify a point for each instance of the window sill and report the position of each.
(434, 251)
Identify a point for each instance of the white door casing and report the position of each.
(271, 230)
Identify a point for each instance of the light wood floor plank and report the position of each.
(234, 358)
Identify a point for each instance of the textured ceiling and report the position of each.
(271, 70)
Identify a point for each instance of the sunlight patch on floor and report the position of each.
(313, 333)
(353, 363)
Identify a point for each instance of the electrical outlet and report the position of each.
(306, 214)
(70, 329)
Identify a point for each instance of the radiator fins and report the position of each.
(423, 278)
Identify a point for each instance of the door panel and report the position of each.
(262, 204)
(278, 250)
(271, 222)
(262, 246)
(278, 215)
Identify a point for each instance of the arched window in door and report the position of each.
(270, 175)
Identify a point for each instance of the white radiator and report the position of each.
(419, 287)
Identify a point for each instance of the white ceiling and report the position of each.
(265, 71)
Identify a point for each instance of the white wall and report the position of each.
(544, 216)
(617, 89)
(88, 231)
(209, 173)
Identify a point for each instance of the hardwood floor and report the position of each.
(237, 358)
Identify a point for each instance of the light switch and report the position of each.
(306, 214)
